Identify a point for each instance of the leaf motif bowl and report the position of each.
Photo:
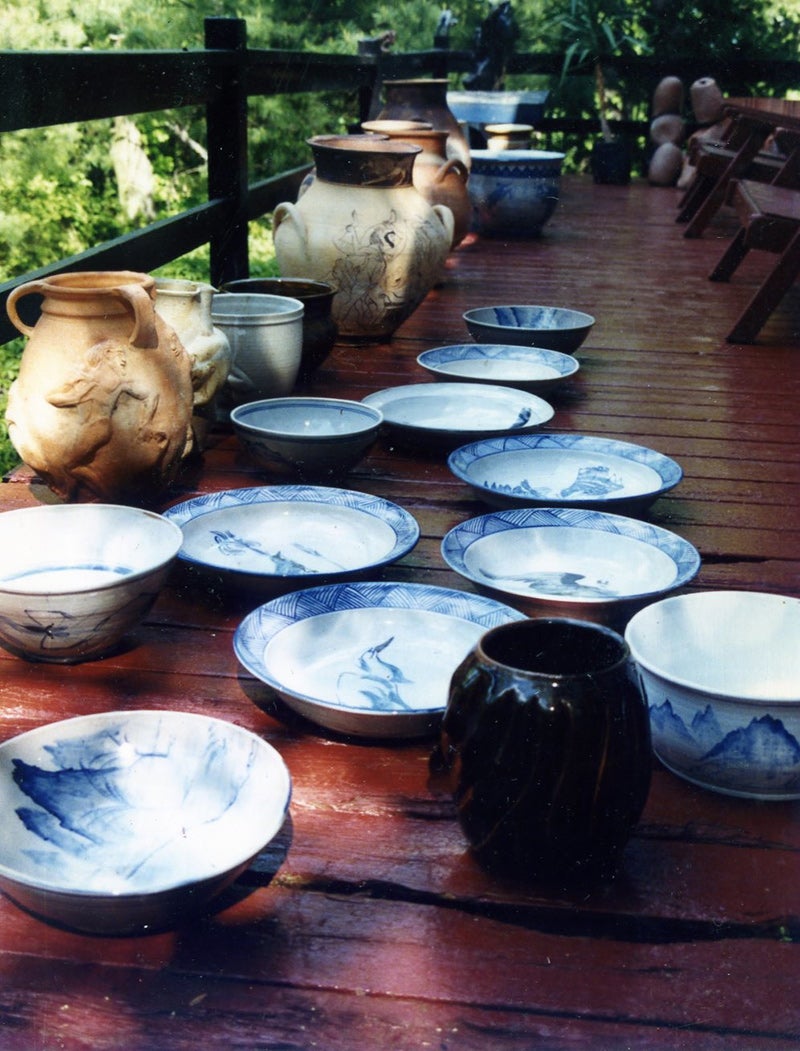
(721, 674)
(124, 822)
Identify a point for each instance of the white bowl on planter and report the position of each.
(514, 192)
(74, 578)
(311, 438)
(122, 822)
(266, 340)
(721, 674)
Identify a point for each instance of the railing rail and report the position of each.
(39, 89)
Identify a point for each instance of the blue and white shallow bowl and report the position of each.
(565, 470)
(721, 674)
(570, 561)
(368, 659)
(280, 537)
(121, 822)
(75, 578)
(513, 192)
(534, 325)
(526, 368)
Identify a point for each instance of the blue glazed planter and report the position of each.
(513, 192)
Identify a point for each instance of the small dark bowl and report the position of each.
(319, 328)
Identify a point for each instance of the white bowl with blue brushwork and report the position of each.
(124, 822)
(565, 470)
(513, 192)
(721, 674)
(533, 369)
(369, 659)
(568, 561)
(534, 325)
(76, 578)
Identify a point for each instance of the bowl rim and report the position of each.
(284, 308)
(373, 418)
(569, 364)
(60, 510)
(242, 858)
(586, 320)
(699, 598)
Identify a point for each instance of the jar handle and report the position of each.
(137, 297)
(11, 304)
(453, 165)
(445, 215)
(288, 216)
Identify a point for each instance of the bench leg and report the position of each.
(694, 196)
(772, 291)
(731, 258)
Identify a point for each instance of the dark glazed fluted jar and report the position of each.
(425, 99)
(546, 740)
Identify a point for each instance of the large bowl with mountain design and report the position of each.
(721, 674)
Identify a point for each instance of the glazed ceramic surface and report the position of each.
(363, 227)
(570, 470)
(526, 368)
(319, 328)
(508, 136)
(586, 563)
(286, 535)
(122, 822)
(304, 436)
(369, 659)
(74, 578)
(555, 328)
(547, 743)
(102, 406)
(513, 192)
(426, 99)
(721, 673)
(266, 338)
(439, 414)
(497, 107)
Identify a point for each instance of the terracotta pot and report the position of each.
(362, 226)
(439, 180)
(426, 100)
(707, 100)
(102, 405)
(546, 742)
(668, 96)
(665, 165)
(508, 136)
(186, 307)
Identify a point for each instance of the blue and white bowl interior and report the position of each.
(454, 408)
(361, 656)
(570, 469)
(500, 363)
(135, 803)
(514, 191)
(721, 674)
(293, 531)
(307, 419)
(569, 555)
(529, 319)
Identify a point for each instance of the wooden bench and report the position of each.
(770, 221)
(711, 160)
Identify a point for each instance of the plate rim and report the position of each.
(435, 389)
(571, 365)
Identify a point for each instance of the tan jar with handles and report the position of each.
(102, 405)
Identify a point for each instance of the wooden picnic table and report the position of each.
(367, 924)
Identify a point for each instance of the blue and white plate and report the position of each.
(578, 561)
(370, 659)
(526, 368)
(435, 415)
(565, 470)
(287, 534)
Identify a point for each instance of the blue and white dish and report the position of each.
(557, 328)
(525, 368)
(368, 659)
(284, 535)
(571, 560)
(721, 674)
(121, 822)
(442, 415)
(565, 470)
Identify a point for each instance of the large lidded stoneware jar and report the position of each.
(440, 180)
(102, 405)
(424, 99)
(362, 226)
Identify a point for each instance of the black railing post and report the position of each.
(228, 178)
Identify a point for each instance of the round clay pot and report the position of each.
(665, 165)
(668, 96)
(707, 100)
(424, 99)
(669, 127)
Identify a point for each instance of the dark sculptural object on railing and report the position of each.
(494, 44)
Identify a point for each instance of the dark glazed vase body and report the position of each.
(425, 99)
(546, 738)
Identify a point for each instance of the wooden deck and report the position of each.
(367, 925)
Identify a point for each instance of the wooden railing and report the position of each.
(39, 89)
